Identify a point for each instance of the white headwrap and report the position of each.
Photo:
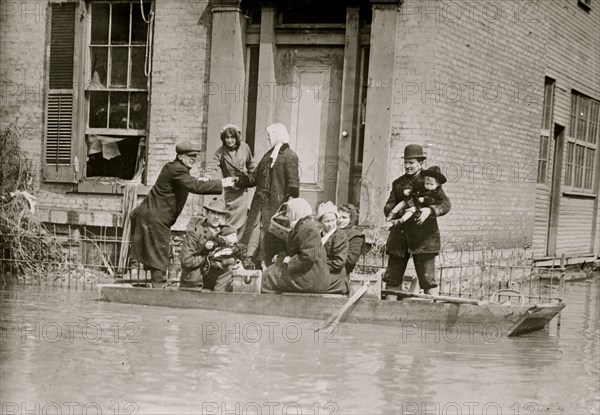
(297, 209)
(279, 136)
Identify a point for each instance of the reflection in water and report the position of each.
(64, 347)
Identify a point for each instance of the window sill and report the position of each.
(579, 195)
(91, 187)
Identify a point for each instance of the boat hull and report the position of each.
(507, 320)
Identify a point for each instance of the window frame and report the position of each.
(581, 151)
(83, 105)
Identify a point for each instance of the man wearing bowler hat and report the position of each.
(151, 221)
(418, 238)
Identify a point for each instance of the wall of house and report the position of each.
(574, 61)
(178, 99)
(22, 49)
(468, 90)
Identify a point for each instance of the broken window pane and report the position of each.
(138, 110)
(138, 59)
(139, 28)
(98, 109)
(118, 109)
(120, 24)
(118, 76)
(100, 23)
(99, 65)
(112, 156)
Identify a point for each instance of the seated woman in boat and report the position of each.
(303, 268)
(347, 214)
(336, 246)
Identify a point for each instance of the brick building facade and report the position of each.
(503, 96)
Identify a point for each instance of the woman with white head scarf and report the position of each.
(277, 180)
(303, 267)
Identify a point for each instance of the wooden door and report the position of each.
(309, 83)
(555, 196)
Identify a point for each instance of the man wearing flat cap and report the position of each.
(151, 221)
(419, 238)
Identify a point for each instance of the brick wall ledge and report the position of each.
(91, 218)
(107, 188)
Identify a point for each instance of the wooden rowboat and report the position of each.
(411, 314)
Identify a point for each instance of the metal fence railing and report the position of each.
(81, 256)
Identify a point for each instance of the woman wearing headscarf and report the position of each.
(347, 215)
(336, 247)
(234, 158)
(303, 267)
(277, 180)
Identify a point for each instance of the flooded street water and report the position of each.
(66, 352)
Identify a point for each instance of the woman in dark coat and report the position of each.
(356, 239)
(336, 247)
(151, 221)
(303, 268)
(277, 180)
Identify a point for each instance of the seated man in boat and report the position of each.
(198, 244)
(303, 268)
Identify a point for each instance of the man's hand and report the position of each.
(286, 260)
(424, 214)
(228, 182)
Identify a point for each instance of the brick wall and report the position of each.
(22, 47)
(178, 97)
(179, 75)
(468, 89)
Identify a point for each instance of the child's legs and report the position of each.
(408, 213)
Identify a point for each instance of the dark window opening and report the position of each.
(312, 12)
(252, 96)
(114, 156)
(252, 10)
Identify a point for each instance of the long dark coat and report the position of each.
(151, 221)
(336, 248)
(416, 239)
(273, 186)
(307, 271)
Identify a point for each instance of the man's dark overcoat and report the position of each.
(417, 239)
(151, 221)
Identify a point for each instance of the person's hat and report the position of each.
(216, 205)
(327, 207)
(188, 147)
(436, 173)
(414, 151)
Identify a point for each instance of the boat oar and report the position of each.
(335, 318)
(443, 298)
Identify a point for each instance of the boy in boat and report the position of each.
(431, 194)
